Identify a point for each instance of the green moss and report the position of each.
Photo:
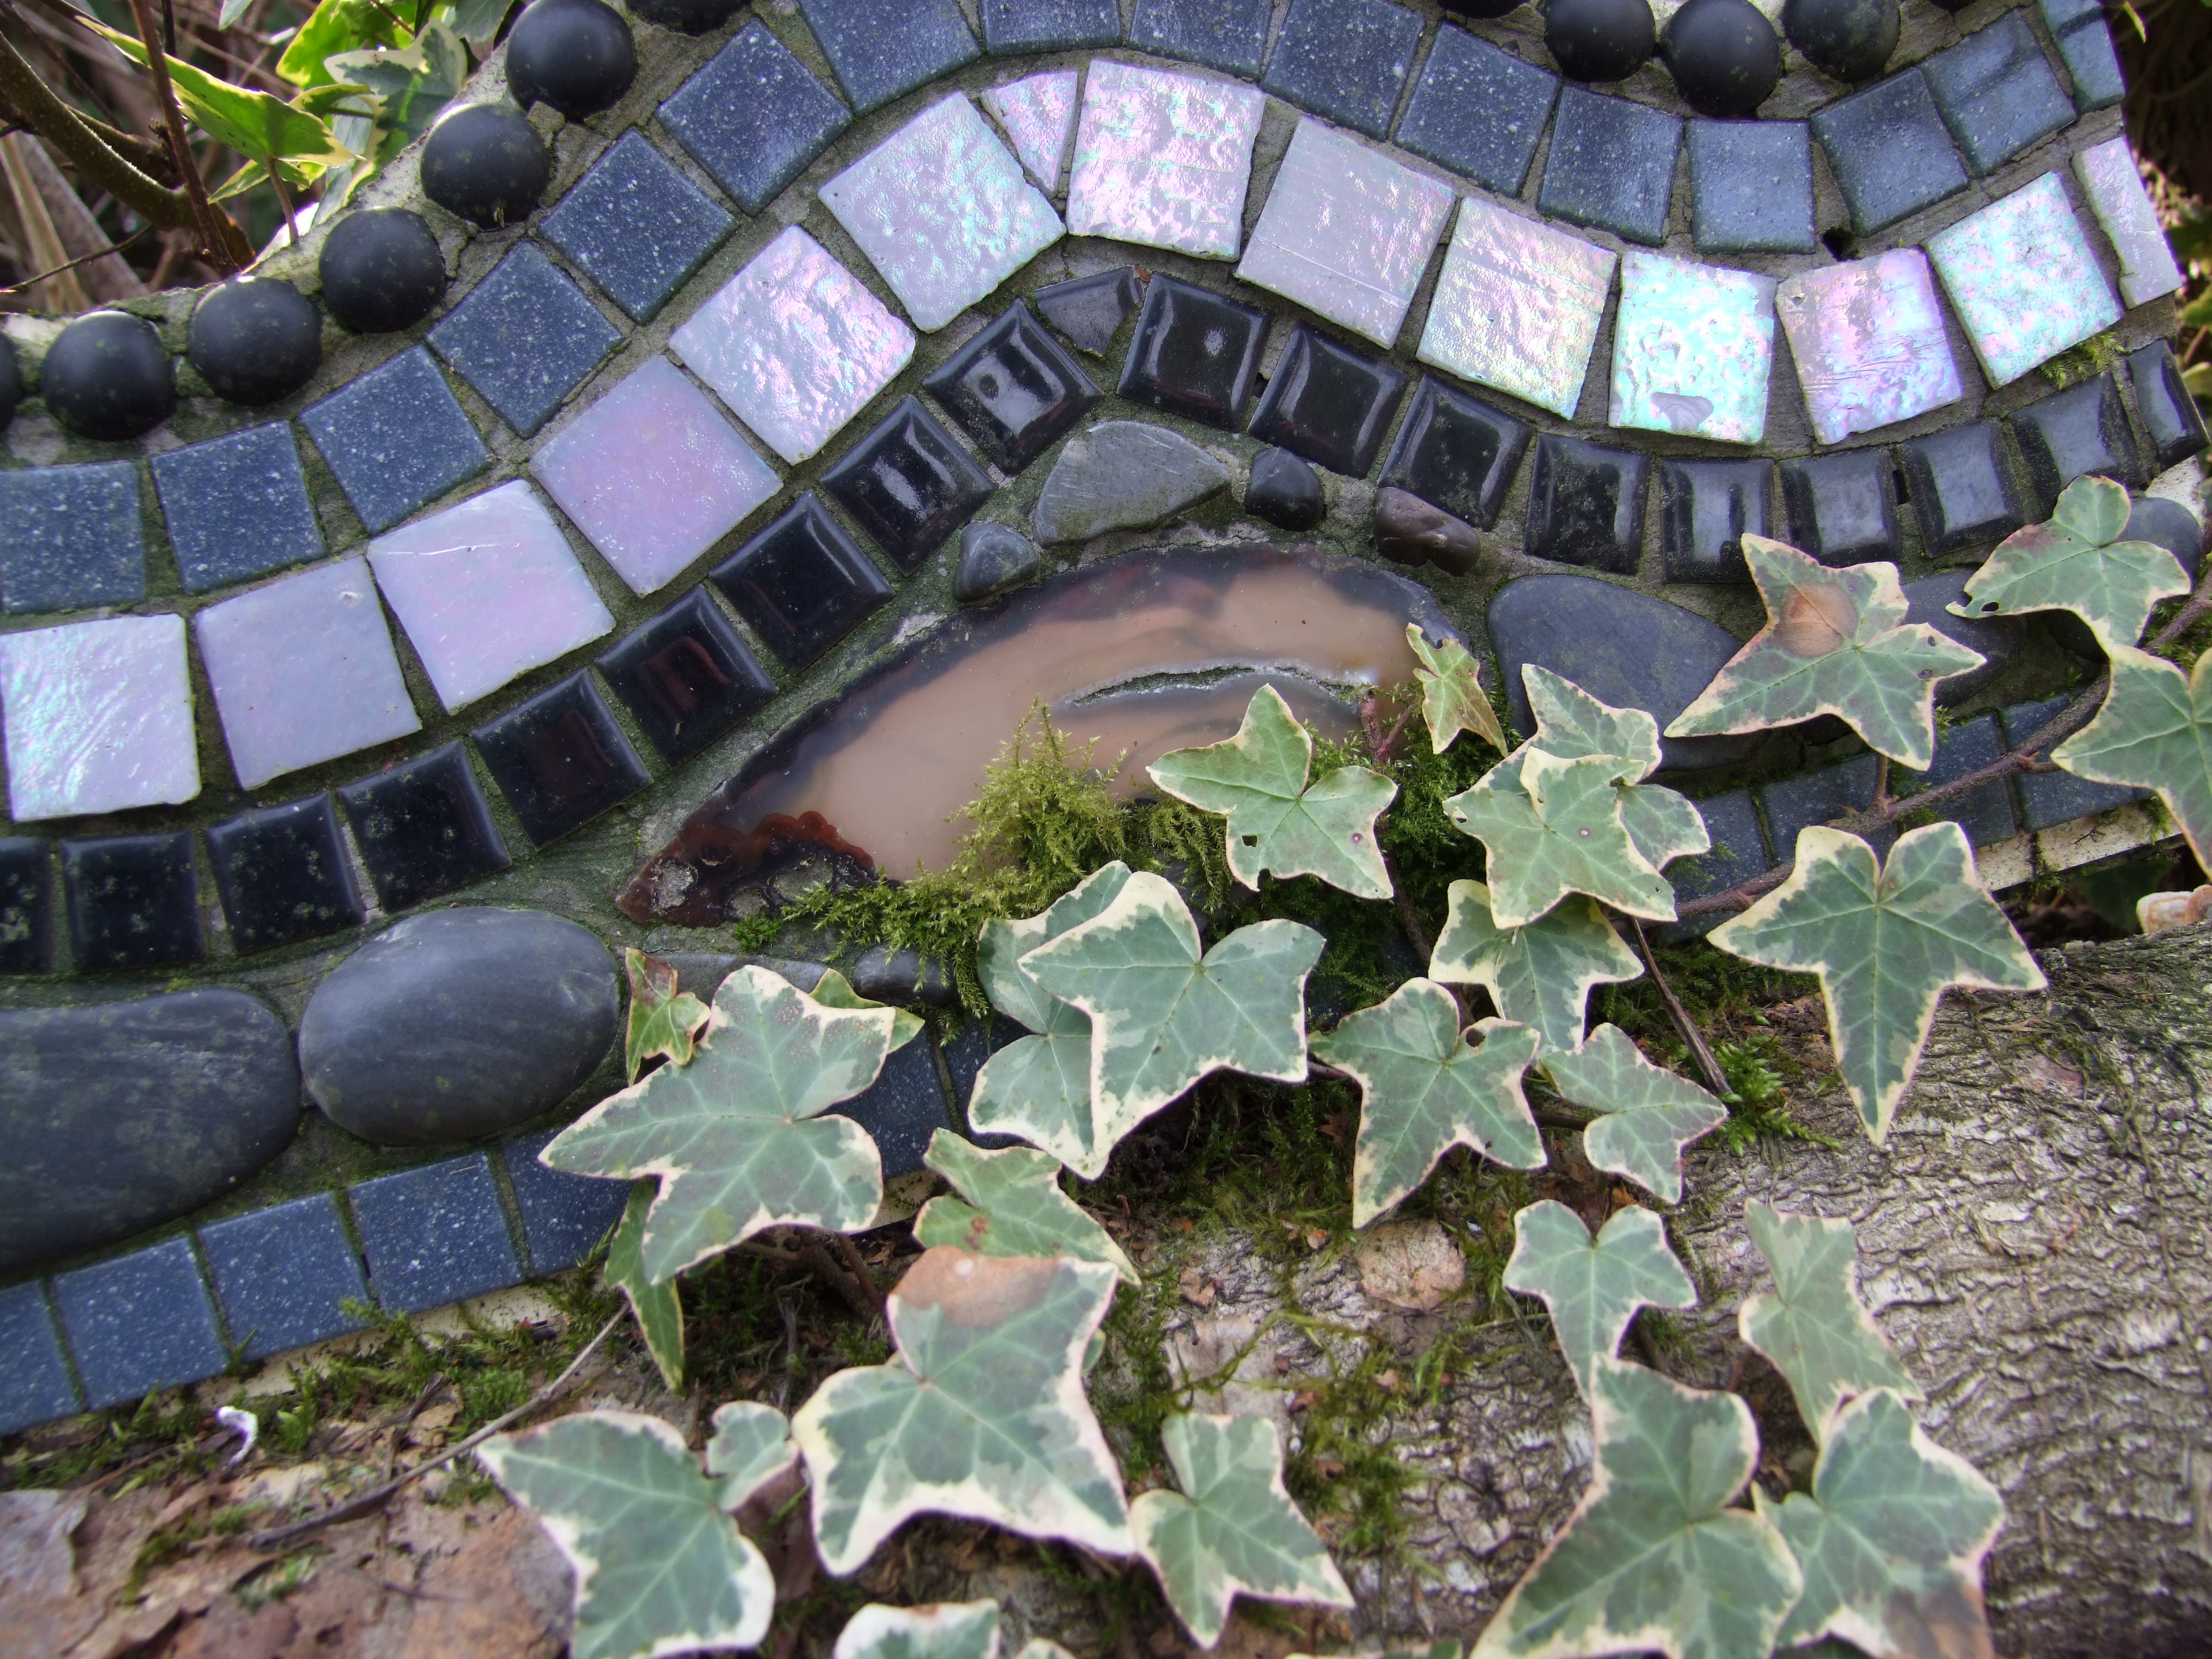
(2083, 362)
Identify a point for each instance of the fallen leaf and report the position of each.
(44, 1610)
(505, 1593)
(1197, 1289)
(1413, 1265)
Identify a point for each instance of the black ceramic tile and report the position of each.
(434, 1235)
(1478, 111)
(2085, 46)
(881, 48)
(1998, 639)
(636, 226)
(1090, 310)
(686, 676)
(2073, 434)
(282, 1275)
(560, 759)
(1017, 26)
(34, 1379)
(564, 1216)
(801, 583)
(754, 116)
(2050, 798)
(237, 506)
(1457, 452)
(902, 1108)
(133, 902)
(27, 884)
(1889, 150)
(1013, 389)
(1815, 797)
(1611, 164)
(2170, 415)
(395, 438)
(1346, 60)
(140, 1322)
(1706, 510)
(1739, 853)
(908, 484)
(1997, 93)
(1986, 813)
(423, 828)
(1751, 186)
(1329, 403)
(1842, 507)
(526, 338)
(71, 537)
(1586, 505)
(1961, 494)
(1194, 353)
(1230, 35)
(283, 874)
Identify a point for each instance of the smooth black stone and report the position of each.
(1812, 798)
(1706, 510)
(26, 888)
(423, 828)
(486, 163)
(1013, 390)
(1457, 452)
(35, 1385)
(2170, 526)
(903, 977)
(284, 1274)
(801, 583)
(636, 226)
(1345, 60)
(1285, 491)
(107, 376)
(2085, 46)
(255, 340)
(11, 383)
(1326, 403)
(283, 874)
(1999, 639)
(526, 338)
(1624, 648)
(1090, 310)
(1611, 164)
(575, 55)
(435, 1235)
(2074, 434)
(1850, 39)
(564, 1217)
(2050, 798)
(1599, 40)
(1478, 111)
(879, 48)
(754, 116)
(1410, 532)
(381, 270)
(902, 1108)
(133, 902)
(117, 1116)
(71, 537)
(1961, 493)
(1194, 353)
(994, 559)
(1997, 93)
(141, 1322)
(395, 438)
(1985, 814)
(687, 17)
(1018, 25)
(908, 484)
(2170, 415)
(686, 676)
(1842, 507)
(1889, 149)
(1724, 56)
(1230, 35)
(1586, 505)
(560, 759)
(237, 506)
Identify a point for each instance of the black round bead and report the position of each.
(486, 163)
(381, 270)
(1724, 57)
(575, 55)
(1850, 39)
(106, 376)
(11, 381)
(1284, 491)
(1599, 40)
(686, 16)
(255, 339)
(1479, 8)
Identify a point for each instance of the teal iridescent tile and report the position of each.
(1868, 340)
(1692, 349)
(97, 718)
(2023, 279)
(1163, 159)
(1517, 307)
(1038, 114)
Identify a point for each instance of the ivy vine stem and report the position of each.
(1715, 1078)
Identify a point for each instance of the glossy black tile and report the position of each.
(1611, 164)
(687, 676)
(1738, 855)
(1345, 60)
(1478, 111)
(1194, 353)
(133, 902)
(1997, 93)
(2170, 415)
(1706, 510)
(908, 483)
(34, 1379)
(564, 1216)
(423, 828)
(1961, 490)
(1457, 452)
(1329, 403)
(1090, 310)
(1889, 150)
(283, 874)
(26, 888)
(801, 583)
(1586, 505)
(1014, 390)
(1842, 507)
(560, 759)
(2073, 434)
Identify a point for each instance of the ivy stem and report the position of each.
(1715, 1078)
(219, 251)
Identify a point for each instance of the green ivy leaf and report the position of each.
(659, 1567)
(658, 1309)
(1571, 724)
(1015, 1207)
(1553, 827)
(1593, 1287)
(663, 1020)
(477, 22)
(2076, 563)
(1424, 1091)
(981, 1413)
(1540, 974)
(834, 990)
(1811, 1327)
(251, 123)
(336, 26)
(1884, 940)
(1277, 822)
(2153, 732)
(1650, 1113)
(1232, 1530)
(1452, 697)
(412, 84)
(750, 1447)
(945, 1630)
(1836, 642)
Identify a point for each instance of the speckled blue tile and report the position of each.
(34, 1379)
(133, 902)
(1842, 507)
(1815, 797)
(1997, 93)
(1611, 164)
(564, 1216)
(801, 583)
(1228, 35)
(1018, 25)
(1889, 150)
(237, 506)
(396, 438)
(283, 874)
(1345, 59)
(1751, 186)
(1961, 495)
(526, 338)
(26, 895)
(902, 1108)
(1586, 505)
(1478, 111)
(71, 537)
(434, 1235)
(2050, 798)
(2085, 46)
(140, 1322)
(1985, 814)
(423, 828)
(560, 759)
(754, 116)
(636, 226)
(282, 1274)
(881, 48)
(686, 676)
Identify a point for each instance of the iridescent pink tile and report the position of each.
(1163, 159)
(1692, 348)
(2116, 196)
(1518, 306)
(1038, 114)
(97, 718)
(2024, 281)
(654, 474)
(1869, 339)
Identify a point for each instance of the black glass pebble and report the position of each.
(1346, 60)
(11, 382)
(1478, 111)
(687, 17)
(994, 559)
(1586, 505)
(1090, 310)
(1013, 390)
(1724, 57)
(1985, 814)
(575, 55)
(283, 874)
(26, 905)
(381, 270)
(1997, 93)
(1998, 639)
(1330, 404)
(106, 376)
(1842, 507)
(686, 676)
(1194, 353)
(1706, 510)
(1611, 164)
(560, 759)
(133, 902)
(1890, 151)
(1960, 492)
(2170, 415)
(1228, 35)
(1457, 452)
(801, 583)
(1599, 40)
(423, 828)
(2168, 525)
(486, 163)
(908, 483)
(1811, 798)
(1850, 39)
(1285, 491)
(255, 339)
(2074, 433)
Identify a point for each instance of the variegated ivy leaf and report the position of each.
(1015, 1207)
(737, 1136)
(1452, 697)
(1892, 1539)
(2076, 563)
(751, 1446)
(1424, 1090)
(2154, 732)
(663, 1020)
(1277, 821)
(658, 1309)
(981, 1414)
(1571, 724)
(1439, 1649)
(1553, 827)
(1232, 1530)
(1541, 974)
(1650, 1113)
(1811, 1327)
(659, 1567)
(1836, 642)
(1884, 940)
(1163, 1015)
(1593, 1287)
(1653, 1559)
(834, 990)
(947, 1630)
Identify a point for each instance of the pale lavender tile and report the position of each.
(97, 717)
(2122, 205)
(1163, 159)
(1517, 307)
(1867, 337)
(2023, 280)
(1038, 114)
(1693, 349)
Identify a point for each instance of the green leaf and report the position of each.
(1540, 974)
(1593, 1287)
(658, 1309)
(1277, 822)
(1015, 1207)
(945, 1630)
(1891, 1541)
(751, 1446)
(1571, 724)
(251, 123)
(1553, 827)
(413, 84)
(477, 22)
(1232, 1530)
(834, 990)
(659, 1567)
(663, 1020)
(1885, 941)
(1424, 1091)
(1452, 697)
(2154, 732)
(2075, 563)
(1836, 642)
(1650, 1113)
(231, 10)
(1653, 1559)
(737, 1136)
(1811, 1327)
(981, 1413)
(336, 26)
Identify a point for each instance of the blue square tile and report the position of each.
(34, 1380)
(636, 226)
(1985, 814)
(902, 1108)
(237, 506)
(1228, 35)
(881, 48)
(526, 338)
(1751, 186)
(71, 537)
(1889, 150)
(1997, 93)
(1739, 853)
(396, 438)
(1345, 59)
(564, 1216)
(2085, 46)
(1478, 111)
(434, 1235)
(140, 1322)
(754, 116)
(1014, 26)
(282, 1272)
(1812, 798)
(1612, 165)
(2051, 799)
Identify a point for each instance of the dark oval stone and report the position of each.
(11, 382)
(1599, 40)
(575, 55)
(1284, 491)
(486, 163)
(459, 1025)
(1850, 39)
(381, 270)
(686, 16)
(119, 1116)
(1724, 57)
(107, 376)
(255, 340)
(1997, 638)
(1408, 530)
(2170, 526)
(993, 559)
